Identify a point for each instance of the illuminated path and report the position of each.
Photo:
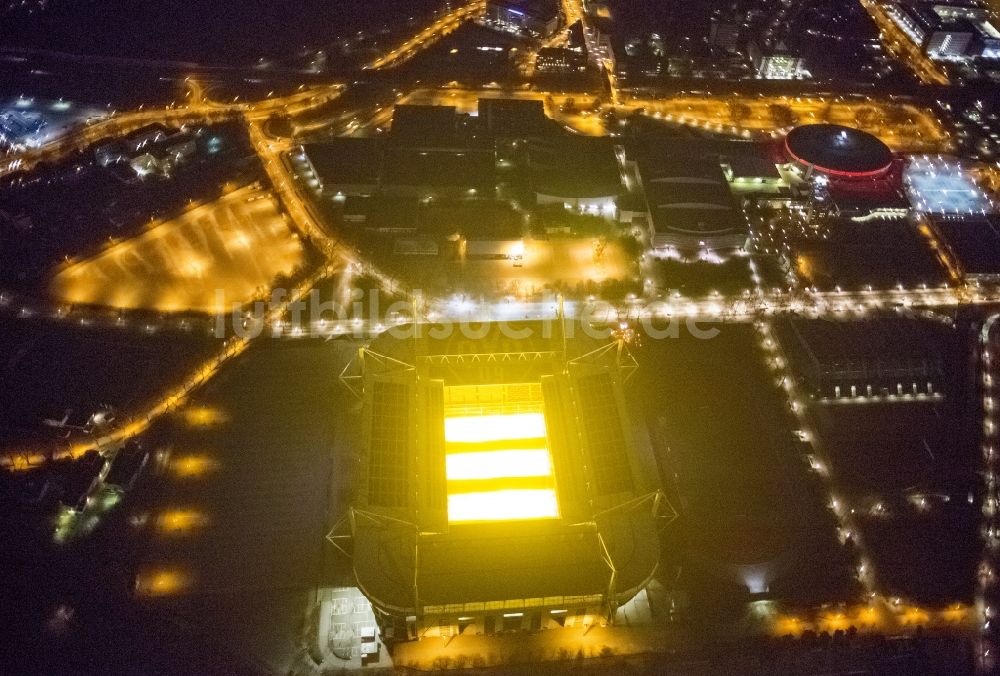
(709, 112)
(171, 401)
(988, 587)
(922, 132)
(429, 35)
(925, 303)
(273, 155)
(720, 309)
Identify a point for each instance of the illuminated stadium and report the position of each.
(502, 484)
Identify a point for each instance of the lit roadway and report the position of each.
(118, 124)
(442, 26)
(199, 109)
(988, 591)
(273, 154)
(919, 132)
(901, 47)
(710, 112)
(173, 400)
(746, 307)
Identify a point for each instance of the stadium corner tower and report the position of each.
(502, 485)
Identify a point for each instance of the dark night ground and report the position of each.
(263, 549)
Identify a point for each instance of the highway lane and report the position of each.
(138, 422)
(930, 303)
(658, 317)
(441, 27)
(902, 48)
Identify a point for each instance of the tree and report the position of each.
(781, 115)
(865, 117)
(897, 115)
(738, 111)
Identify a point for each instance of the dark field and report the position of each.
(51, 368)
(753, 517)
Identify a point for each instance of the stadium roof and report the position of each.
(436, 523)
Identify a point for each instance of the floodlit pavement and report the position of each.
(205, 260)
(765, 617)
(428, 36)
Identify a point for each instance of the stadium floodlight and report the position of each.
(498, 464)
(503, 505)
(498, 468)
(474, 429)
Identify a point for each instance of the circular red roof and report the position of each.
(838, 150)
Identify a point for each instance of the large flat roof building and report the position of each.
(690, 207)
(346, 165)
(514, 118)
(580, 172)
(947, 31)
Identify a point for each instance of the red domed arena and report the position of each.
(851, 160)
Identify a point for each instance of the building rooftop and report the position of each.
(838, 150)
(543, 10)
(469, 169)
(747, 165)
(686, 192)
(975, 242)
(356, 161)
(574, 166)
(424, 126)
(473, 219)
(513, 118)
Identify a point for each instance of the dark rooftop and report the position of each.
(516, 118)
(424, 126)
(686, 191)
(470, 169)
(575, 166)
(975, 241)
(474, 219)
(347, 160)
(836, 149)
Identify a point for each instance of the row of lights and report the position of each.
(988, 588)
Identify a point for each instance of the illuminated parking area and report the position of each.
(497, 460)
(204, 260)
(940, 185)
